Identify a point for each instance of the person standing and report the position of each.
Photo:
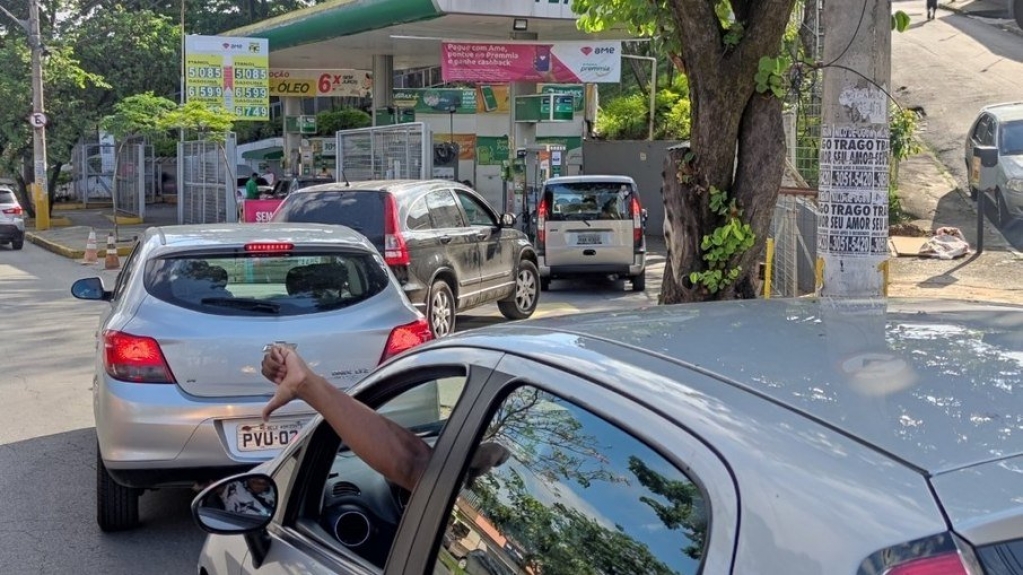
(269, 176)
(932, 9)
(252, 188)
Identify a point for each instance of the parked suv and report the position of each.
(12, 223)
(591, 226)
(998, 129)
(446, 245)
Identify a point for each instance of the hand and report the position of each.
(288, 372)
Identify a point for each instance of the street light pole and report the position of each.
(38, 120)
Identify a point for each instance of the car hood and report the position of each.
(984, 502)
(1013, 166)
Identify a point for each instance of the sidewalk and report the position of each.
(69, 240)
(995, 12)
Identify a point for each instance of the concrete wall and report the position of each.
(642, 160)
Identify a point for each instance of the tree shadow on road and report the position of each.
(1000, 42)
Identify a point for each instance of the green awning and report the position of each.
(273, 153)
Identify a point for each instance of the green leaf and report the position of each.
(900, 21)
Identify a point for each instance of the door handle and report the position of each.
(483, 234)
(445, 239)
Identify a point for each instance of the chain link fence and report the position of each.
(403, 151)
(134, 179)
(794, 236)
(92, 171)
(803, 121)
(207, 190)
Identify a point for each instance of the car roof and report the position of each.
(930, 383)
(1006, 111)
(591, 178)
(211, 235)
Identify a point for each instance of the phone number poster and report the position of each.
(229, 73)
(559, 62)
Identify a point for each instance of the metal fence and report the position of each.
(804, 118)
(794, 238)
(134, 182)
(207, 184)
(402, 151)
(92, 171)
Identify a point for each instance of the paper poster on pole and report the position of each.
(853, 186)
(558, 62)
(230, 74)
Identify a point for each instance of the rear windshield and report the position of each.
(588, 201)
(7, 197)
(1012, 139)
(363, 211)
(284, 285)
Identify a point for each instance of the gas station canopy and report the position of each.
(350, 32)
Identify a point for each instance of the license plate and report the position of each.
(271, 436)
(587, 239)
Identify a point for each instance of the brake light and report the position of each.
(406, 337)
(637, 222)
(268, 247)
(134, 358)
(541, 219)
(944, 564)
(15, 211)
(395, 250)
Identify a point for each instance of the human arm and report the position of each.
(393, 451)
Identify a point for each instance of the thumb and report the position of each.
(271, 406)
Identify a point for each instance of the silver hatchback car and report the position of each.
(178, 390)
(769, 436)
(12, 219)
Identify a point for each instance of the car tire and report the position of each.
(522, 303)
(18, 244)
(545, 284)
(441, 309)
(117, 506)
(1004, 218)
(639, 281)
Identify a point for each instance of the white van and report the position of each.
(591, 226)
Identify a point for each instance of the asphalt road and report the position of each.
(47, 436)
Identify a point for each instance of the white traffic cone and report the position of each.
(90, 249)
(112, 261)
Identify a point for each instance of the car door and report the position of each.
(496, 246)
(554, 473)
(315, 479)
(456, 242)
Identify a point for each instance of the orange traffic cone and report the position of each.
(112, 261)
(90, 249)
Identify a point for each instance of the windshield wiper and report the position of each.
(245, 304)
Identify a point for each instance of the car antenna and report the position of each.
(345, 178)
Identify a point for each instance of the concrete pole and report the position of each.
(41, 187)
(291, 106)
(852, 231)
(383, 83)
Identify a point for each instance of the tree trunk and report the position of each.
(737, 144)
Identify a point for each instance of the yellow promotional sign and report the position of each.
(310, 83)
(229, 73)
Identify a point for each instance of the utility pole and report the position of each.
(852, 229)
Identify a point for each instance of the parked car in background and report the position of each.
(262, 184)
(446, 245)
(591, 226)
(286, 185)
(12, 219)
(177, 389)
(999, 129)
(759, 436)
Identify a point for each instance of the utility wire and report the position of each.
(863, 13)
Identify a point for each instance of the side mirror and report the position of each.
(507, 220)
(236, 505)
(988, 155)
(90, 289)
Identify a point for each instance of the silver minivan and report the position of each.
(591, 226)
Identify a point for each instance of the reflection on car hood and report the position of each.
(1013, 166)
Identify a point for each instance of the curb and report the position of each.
(75, 254)
(1010, 28)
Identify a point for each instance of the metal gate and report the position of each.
(207, 183)
(92, 171)
(794, 231)
(402, 151)
(134, 181)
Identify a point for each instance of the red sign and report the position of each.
(259, 211)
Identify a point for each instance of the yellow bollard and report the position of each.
(768, 268)
(42, 207)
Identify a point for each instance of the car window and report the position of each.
(7, 197)
(418, 216)
(984, 132)
(363, 211)
(588, 201)
(476, 212)
(287, 285)
(354, 510)
(1011, 139)
(569, 492)
(123, 277)
(443, 210)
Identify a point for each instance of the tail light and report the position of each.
(395, 250)
(637, 222)
(406, 337)
(135, 358)
(15, 211)
(944, 564)
(541, 219)
(268, 248)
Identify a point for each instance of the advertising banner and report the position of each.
(481, 100)
(466, 143)
(492, 151)
(560, 62)
(311, 83)
(259, 211)
(229, 73)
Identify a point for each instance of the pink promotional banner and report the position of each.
(558, 62)
(259, 211)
